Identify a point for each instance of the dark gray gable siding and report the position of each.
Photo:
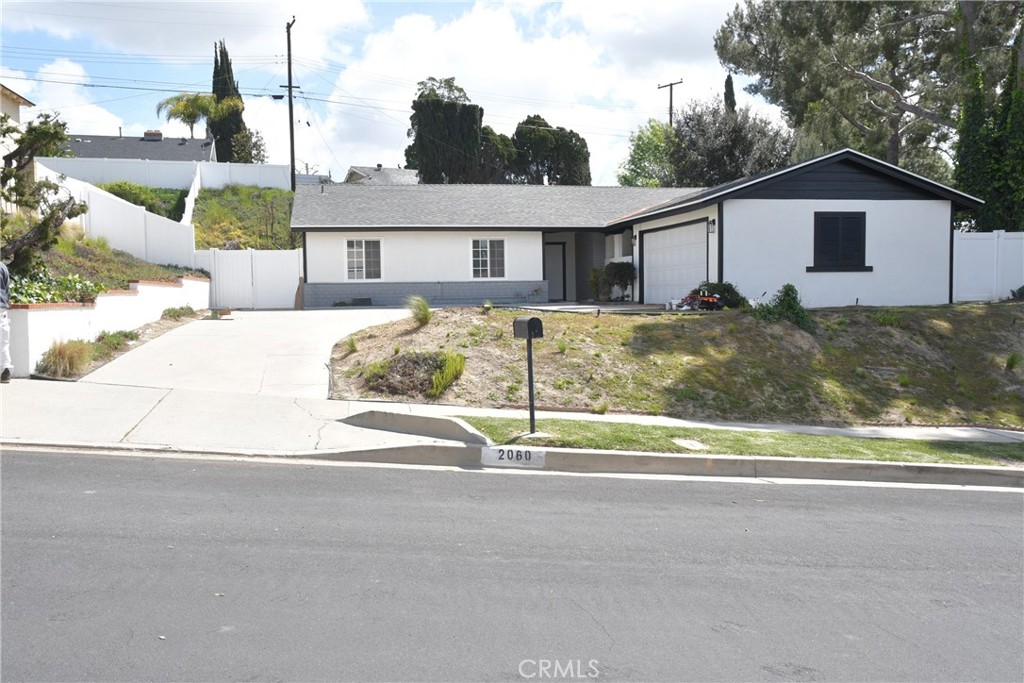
(839, 180)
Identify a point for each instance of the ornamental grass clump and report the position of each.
(420, 309)
(65, 358)
(451, 370)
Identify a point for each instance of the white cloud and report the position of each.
(71, 100)
(171, 30)
(591, 67)
(579, 65)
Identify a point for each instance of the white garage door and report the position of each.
(675, 261)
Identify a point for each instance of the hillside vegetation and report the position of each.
(243, 217)
(169, 203)
(94, 261)
(922, 365)
(236, 217)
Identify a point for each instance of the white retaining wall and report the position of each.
(251, 279)
(35, 327)
(987, 266)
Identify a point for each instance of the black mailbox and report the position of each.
(527, 328)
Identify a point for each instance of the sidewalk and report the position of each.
(107, 416)
(256, 384)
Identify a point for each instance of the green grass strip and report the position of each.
(617, 436)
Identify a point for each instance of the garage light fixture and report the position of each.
(711, 226)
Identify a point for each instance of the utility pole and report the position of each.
(291, 111)
(669, 86)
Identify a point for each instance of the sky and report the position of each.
(593, 66)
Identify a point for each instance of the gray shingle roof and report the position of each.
(371, 175)
(440, 206)
(132, 147)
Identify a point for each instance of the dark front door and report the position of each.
(554, 270)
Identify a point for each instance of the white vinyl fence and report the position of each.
(170, 174)
(987, 266)
(128, 227)
(251, 279)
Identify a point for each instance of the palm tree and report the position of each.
(190, 108)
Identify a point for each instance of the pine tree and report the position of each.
(224, 128)
(990, 145)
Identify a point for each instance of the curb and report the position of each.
(445, 428)
(468, 456)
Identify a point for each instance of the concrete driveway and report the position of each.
(266, 353)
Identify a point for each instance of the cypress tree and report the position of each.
(225, 127)
(730, 95)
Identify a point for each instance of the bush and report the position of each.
(65, 358)
(888, 317)
(731, 297)
(785, 305)
(108, 343)
(166, 203)
(415, 373)
(43, 288)
(599, 287)
(420, 309)
(620, 274)
(179, 312)
(1017, 294)
(1012, 361)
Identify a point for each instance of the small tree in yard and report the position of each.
(42, 208)
(620, 274)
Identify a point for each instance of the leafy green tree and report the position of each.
(446, 131)
(990, 145)
(544, 153)
(497, 158)
(882, 72)
(570, 159)
(226, 121)
(248, 147)
(441, 89)
(41, 208)
(648, 164)
(710, 145)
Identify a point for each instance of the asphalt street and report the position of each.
(136, 568)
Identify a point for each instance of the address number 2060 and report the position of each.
(511, 457)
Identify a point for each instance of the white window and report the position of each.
(363, 258)
(488, 258)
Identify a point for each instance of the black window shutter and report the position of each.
(828, 242)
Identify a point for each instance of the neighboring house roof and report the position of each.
(523, 207)
(9, 94)
(753, 184)
(150, 146)
(378, 175)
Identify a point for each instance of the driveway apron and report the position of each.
(264, 353)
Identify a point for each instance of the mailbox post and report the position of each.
(529, 329)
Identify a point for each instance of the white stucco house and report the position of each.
(844, 228)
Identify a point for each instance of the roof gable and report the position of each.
(846, 174)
